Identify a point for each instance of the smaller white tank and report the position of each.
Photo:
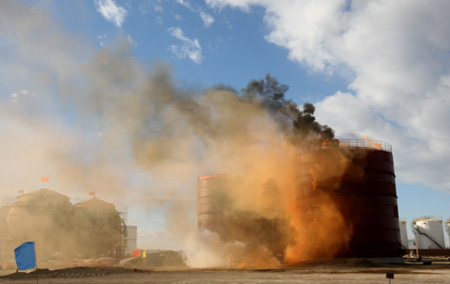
(403, 233)
(447, 228)
(131, 239)
(428, 232)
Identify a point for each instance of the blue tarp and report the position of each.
(25, 256)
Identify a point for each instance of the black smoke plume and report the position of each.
(299, 125)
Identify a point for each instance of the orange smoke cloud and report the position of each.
(137, 137)
(281, 207)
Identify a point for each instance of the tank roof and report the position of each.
(347, 143)
(95, 203)
(427, 218)
(43, 197)
(209, 175)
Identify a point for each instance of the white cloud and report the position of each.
(158, 8)
(159, 20)
(131, 40)
(178, 17)
(207, 19)
(398, 53)
(189, 48)
(145, 7)
(102, 40)
(111, 12)
(19, 96)
(185, 4)
(241, 4)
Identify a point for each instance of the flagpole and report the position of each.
(35, 261)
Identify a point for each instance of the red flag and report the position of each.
(136, 253)
(45, 179)
(21, 191)
(92, 193)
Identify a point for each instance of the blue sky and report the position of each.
(372, 68)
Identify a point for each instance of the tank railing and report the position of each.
(416, 230)
(365, 143)
(423, 218)
(7, 201)
(211, 174)
(347, 143)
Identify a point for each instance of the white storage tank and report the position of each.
(447, 228)
(428, 232)
(403, 234)
(131, 239)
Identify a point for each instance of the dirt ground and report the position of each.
(331, 271)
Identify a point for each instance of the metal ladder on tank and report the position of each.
(415, 229)
(447, 226)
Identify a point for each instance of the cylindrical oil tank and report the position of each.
(429, 232)
(359, 179)
(447, 228)
(211, 199)
(6, 250)
(403, 233)
(98, 227)
(216, 213)
(43, 216)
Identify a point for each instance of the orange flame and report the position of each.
(373, 143)
(314, 175)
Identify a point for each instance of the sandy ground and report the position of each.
(324, 272)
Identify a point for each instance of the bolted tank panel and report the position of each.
(360, 183)
(428, 232)
(211, 198)
(403, 233)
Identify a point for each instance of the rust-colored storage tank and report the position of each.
(353, 180)
(98, 227)
(358, 177)
(211, 199)
(216, 213)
